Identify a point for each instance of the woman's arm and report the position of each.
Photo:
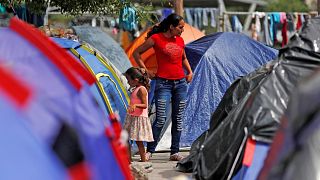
(141, 49)
(186, 65)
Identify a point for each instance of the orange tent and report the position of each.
(189, 34)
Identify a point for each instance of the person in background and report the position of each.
(171, 80)
(137, 122)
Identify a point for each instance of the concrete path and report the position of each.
(161, 168)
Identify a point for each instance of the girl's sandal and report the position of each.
(148, 156)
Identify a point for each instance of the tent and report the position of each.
(189, 34)
(109, 91)
(294, 153)
(217, 61)
(252, 107)
(254, 155)
(21, 151)
(105, 44)
(61, 95)
(22, 155)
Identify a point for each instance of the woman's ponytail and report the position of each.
(145, 78)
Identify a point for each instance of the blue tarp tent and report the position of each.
(110, 92)
(217, 60)
(105, 44)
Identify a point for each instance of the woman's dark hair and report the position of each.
(140, 74)
(173, 19)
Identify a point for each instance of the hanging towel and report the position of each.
(273, 29)
(283, 20)
(299, 23)
(2, 9)
(257, 16)
(128, 19)
(165, 13)
(236, 24)
(205, 16)
(268, 39)
(290, 21)
(189, 18)
(198, 18)
(213, 12)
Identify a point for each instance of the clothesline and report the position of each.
(248, 13)
(267, 29)
(225, 23)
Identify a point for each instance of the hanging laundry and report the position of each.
(205, 17)
(189, 16)
(267, 37)
(213, 14)
(257, 16)
(2, 9)
(198, 18)
(283, 20)
(128, 19)
(165, 13)
(290, 21)
(299, 22)
(236, 24)
(22, 12)
(275, 20)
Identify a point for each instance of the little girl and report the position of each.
(137, 122)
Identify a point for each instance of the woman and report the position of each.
(171, 80)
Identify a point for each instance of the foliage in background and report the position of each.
(79, 7)
(287, 6)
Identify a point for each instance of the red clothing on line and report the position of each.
(299, 23)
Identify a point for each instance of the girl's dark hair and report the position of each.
(173, 19)
(140, 74)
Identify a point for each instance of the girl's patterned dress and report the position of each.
(138, 123)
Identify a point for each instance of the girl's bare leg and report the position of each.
(142, 151)
(129, 151)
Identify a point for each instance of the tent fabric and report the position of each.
(17, 92)
(21, 150)
(189, 34)
(251, 170)
(217, 61)
(294, 153)
(22, 155)
(105, 44)
(109, 91)
(255, 102)
(56, 100)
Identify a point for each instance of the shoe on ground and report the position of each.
(148, 156)
(176, 157)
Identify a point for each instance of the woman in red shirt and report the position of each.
(171, 80)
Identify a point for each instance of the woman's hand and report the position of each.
(189, 77)
(151, 74)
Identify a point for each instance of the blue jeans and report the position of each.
(166, 91)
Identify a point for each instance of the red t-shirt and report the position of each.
(169, 52)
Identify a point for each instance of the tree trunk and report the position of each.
(178, 7)
(318, 6)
